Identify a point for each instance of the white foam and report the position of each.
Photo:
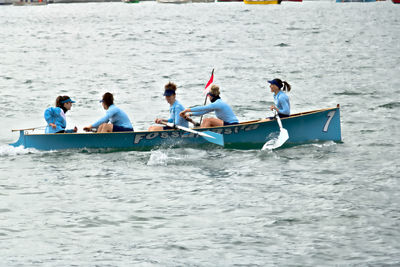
(324, 144)
(7, 150)
(158, 157)
(163, 157)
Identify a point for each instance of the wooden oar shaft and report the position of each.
(27, 129)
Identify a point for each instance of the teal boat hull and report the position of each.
(312, 126)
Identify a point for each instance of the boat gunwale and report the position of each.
(26, 132)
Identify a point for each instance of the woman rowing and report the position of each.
(174, 110)
(55, 116)
(115, 119)
(223, 111)
(281, 100)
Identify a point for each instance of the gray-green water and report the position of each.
(322, 204)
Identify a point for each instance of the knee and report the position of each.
(101, 128)
(205, 123)
(108, 128)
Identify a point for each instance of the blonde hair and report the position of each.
(214, 90)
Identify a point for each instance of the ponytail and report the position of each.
(58, 101)
(286, 86)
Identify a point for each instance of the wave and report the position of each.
(7, 150)
(391, 105)
(324, 144)
(348, 93)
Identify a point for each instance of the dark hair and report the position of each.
(108, 99)
(59, 99)
(170, 86)
(283, 85)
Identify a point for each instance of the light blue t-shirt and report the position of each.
(115, 116)
(222, 110)
(281, 101)
(57, 116)
(174, 111)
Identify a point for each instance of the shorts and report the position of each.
(280, 116)
(283, 115)
(227, 123)
(168, 128)
(117, 128)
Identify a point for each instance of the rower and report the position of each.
(55, 116)
(175, 108)
(281, 100)
(115, 119)
(223, 111)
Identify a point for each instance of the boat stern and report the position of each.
(20, 141)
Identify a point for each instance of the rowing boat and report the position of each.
(173, 1)
(262, 2)
(30, 2)
(364, 1)
(306, 127)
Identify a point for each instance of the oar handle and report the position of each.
(167, 124)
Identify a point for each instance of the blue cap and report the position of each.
(275, 82)
(67, 100)
(169, 92)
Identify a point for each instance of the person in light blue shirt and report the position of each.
(115, 119)
(55, 116)
(223, 111)
(174, 109)
(281, 100)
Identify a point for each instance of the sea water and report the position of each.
(319, 204)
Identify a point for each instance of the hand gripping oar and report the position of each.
(212, 137)
(282, 138)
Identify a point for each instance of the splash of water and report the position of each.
(7, 150)
(324, 144)
(157, 158)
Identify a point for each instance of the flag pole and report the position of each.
(208, 84)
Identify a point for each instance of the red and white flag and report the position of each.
(206, 89)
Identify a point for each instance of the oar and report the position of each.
(210, 136)
(282, 138)
(28, 129)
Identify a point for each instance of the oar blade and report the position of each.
(217, 138)
(277, 142)
(282, 138)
